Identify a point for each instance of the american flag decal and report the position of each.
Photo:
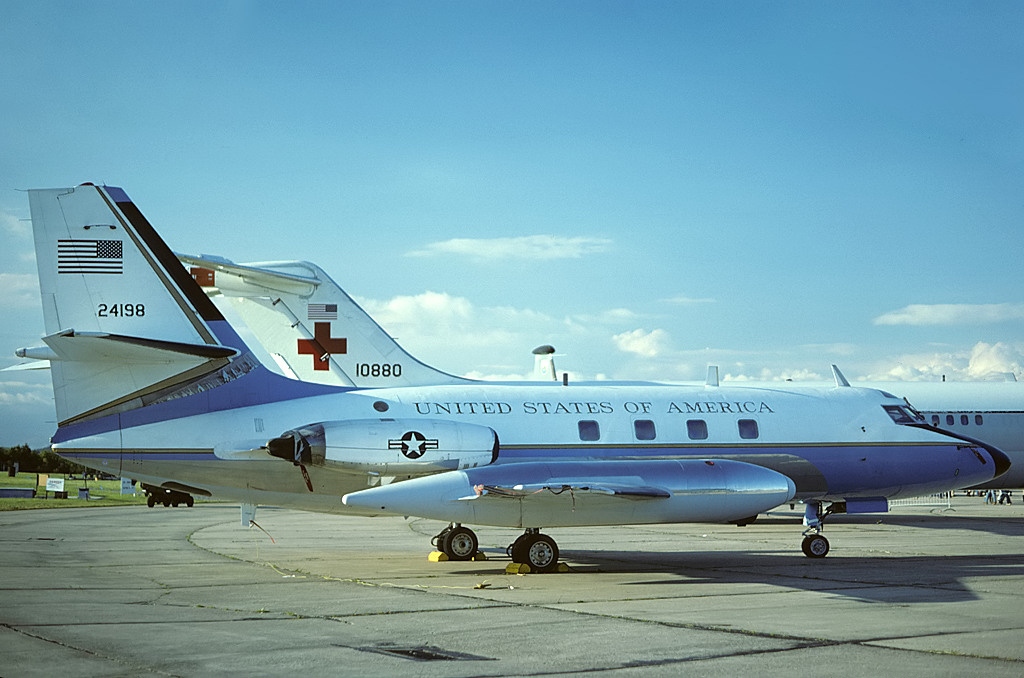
(322, 312)
(90, 256)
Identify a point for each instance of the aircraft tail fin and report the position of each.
(313, 330)
(126, 325)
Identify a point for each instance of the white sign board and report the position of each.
(126, 486)
(54, 484)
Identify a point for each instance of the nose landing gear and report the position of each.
(815, 545)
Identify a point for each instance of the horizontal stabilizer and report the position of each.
(24, 367)
(248, 280)
(97, 346)
(124, 371)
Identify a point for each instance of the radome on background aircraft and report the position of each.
(289, 304)
(151, 382)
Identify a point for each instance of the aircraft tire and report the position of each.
(459, 543)
(815, 546)
(516, 550)
(541, 553)
(150, 501)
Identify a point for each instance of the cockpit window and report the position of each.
(902, 415)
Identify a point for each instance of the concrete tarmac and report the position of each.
(133, 591)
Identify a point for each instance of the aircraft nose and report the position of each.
(1000, 459)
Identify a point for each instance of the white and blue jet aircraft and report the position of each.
(285, 304)
(151, 382)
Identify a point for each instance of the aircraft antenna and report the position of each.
(840, 379)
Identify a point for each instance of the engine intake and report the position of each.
(388, 447)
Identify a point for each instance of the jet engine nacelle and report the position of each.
(389, 447)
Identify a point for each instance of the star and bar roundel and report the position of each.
(413, 444)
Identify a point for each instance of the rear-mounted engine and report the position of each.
(388, 447)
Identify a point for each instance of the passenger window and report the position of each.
(935, 420)
(589, 430)
(644, 429)
(697, 429)
(748, 429)
(964, 420)
(978, 420)
(949, 420)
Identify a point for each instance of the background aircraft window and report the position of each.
(644, 429)
(697, 429)
(748, 429)
(949, 420)
(963, 419)
(589, 430)
(935, 420)
(978, 420)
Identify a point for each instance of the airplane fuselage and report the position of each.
(836, 444)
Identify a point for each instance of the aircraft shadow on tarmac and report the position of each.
(882, 579)
(936, 519)
(886, 577)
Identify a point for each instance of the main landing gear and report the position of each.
(815, 545)
(456, 542)
(532, 548)
(537, 550)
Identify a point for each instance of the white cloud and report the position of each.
(26, 408)
(641, 342)
(990, 359)
(951, 314)
(21, 290)
(31, 395)
(778, 374)
(533, 247)
(982, 361)
(453, 334)
(15, 226)
(412, 308)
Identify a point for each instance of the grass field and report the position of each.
(101, 493)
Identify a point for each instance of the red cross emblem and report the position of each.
(321, 346)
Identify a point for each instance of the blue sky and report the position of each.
(648, 186)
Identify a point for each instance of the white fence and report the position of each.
(942, 500)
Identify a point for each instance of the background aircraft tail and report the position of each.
(126, 325)
(313, 330)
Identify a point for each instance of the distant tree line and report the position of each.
(32, 461)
